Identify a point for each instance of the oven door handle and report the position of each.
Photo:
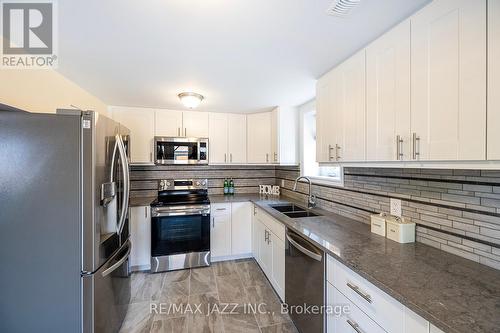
(183, 213)
(302, 249)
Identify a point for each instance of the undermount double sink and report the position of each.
(293, 211)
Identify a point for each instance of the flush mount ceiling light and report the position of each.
(190, 100)
(342, 8)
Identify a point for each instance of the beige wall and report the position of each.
(38, 90)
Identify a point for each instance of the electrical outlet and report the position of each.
(396, 207)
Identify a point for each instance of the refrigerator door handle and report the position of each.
(120, 262)
(126, 185)
(108, 190)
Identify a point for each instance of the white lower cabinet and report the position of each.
(268, 247)
(241, 228)
(369, 309)
(434, 329)
(220, 232)
(140, 236)
(278, 271)
(354, 320)
(231, 230)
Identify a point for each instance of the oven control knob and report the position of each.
(168, 184)
(204, 183)
(197, 183)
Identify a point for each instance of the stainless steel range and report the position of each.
(180, 225)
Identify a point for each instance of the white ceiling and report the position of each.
(242, 55)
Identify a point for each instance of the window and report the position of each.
(309, 167)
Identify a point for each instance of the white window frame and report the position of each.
(303, 109)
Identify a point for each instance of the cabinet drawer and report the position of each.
(220, 209)
(273, 225)
(383, 309)
(353, 321)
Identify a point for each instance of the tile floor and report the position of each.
(228, 283)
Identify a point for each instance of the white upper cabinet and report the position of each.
(141, 123)
(388, 96)
(448, 84)
(218, 137)
(228, 138)
(195, 124)
(259, 137)
(237, 138)
(351, 97)
(493, 79)
(328, 129)
(285, 139)
(168, 123)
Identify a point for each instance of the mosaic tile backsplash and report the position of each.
(457, 211)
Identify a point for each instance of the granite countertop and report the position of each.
(454, 294)
(141, 201)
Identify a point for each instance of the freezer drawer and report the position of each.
(108, 289)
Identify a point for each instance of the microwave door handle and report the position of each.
(199, 147)
(126, 186)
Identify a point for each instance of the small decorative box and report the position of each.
(400, 230)
(378, 224)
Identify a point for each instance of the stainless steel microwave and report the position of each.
(178, 150)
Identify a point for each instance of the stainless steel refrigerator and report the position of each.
(64, 232)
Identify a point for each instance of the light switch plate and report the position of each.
(396, 207)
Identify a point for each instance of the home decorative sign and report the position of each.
(269, 189)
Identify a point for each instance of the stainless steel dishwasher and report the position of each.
(304, 281)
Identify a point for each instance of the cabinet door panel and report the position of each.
(388, 95)
(259, 137)
(241, 228)
(140, 235)
(168, 123)
(220, 236)
(493, 79)
(448, 89)
(328, 117)
(218, 137)
(266, 252)
(352, 108)
(141, 123)
(237, 138)
(278, 277)
(195, 124)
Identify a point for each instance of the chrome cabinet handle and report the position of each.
(361, 293)
(230, 157)
(178, 131)
(225, 160)
(213, 222)
(146, 212)
(399, 148)
(275, 157)
(337, 156)
(185, 131)
(330, 148)
(416, 142)
(354, 326)
(220, 209)
(267, 157)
